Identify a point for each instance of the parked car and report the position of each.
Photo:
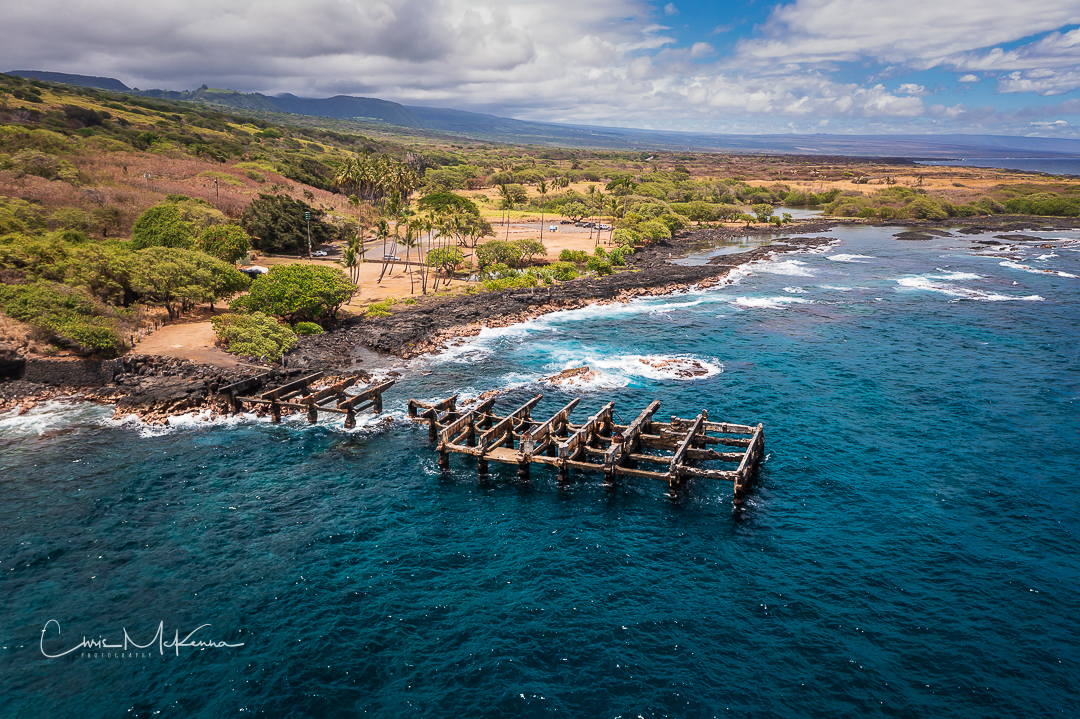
(566, 222)
(391, 258)
(553, 228)
(589, 225)
(254, 271)
(604, 227)
(579, 224)
(319, 253)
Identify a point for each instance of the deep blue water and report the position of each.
(1049, 165)
(910, 549)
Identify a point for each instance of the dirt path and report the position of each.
(191, 337)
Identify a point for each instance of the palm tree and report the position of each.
(508, 204)
(591, 195)
(599, 196)
(543, 189)
(410, 240)
(382, 232)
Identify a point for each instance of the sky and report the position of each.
(1004, 67)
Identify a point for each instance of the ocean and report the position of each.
(1049, 165)
(909, 549)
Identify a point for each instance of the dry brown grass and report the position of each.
(135, 181)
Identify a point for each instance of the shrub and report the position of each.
(655, 230)
(577, 256)
(599, 265)
(925, 208)
(380, 309)
(600, 251)
(562, 271)
(254, 335)
(297, 293)
(20, 216)
(619, 255)
(68, 316)
(445, 258)
(307, 328)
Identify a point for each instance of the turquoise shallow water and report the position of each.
(909, 550)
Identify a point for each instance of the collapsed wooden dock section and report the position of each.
(305, 395)
(672, 451)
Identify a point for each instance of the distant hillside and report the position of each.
(348, 107)
(102, 83)
(492, 128)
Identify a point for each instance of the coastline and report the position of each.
(156, 387)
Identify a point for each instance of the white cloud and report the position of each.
(702, 49)
(910, 88)
(969, 78)
(917, 33)
(670, 9)
(1043, 82)
(600, 61)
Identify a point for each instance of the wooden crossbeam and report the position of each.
(680, 453)
(448, 403)
(291, 387)
(333, 390)
(536, 438)
(569, 447)
(471, 416)
(374, 391)
(624, 442)
(495, 434)
(243, 385)
(679, 424)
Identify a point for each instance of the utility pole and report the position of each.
(217, 192)
(307, 216)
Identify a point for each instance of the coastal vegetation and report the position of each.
(113, 203)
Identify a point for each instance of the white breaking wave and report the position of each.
(850, 258)
(49, 417)
(927, 283)
(612, 372)
(795, 290)
(1035, 270)
(949, 275)
(769, 303)
(793, 268)
(837, 288)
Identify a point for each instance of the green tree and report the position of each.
(276, 223)
(162, 226)
(701, 212)
(297, 293)
(177, 279)
(575, 210)
(762, 212)
(228, 243)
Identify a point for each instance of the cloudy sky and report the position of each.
(837, 66)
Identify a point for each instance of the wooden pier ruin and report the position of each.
(300, 395)
(598, 445)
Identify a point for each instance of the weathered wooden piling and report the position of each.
(598, 445)
(300, 395)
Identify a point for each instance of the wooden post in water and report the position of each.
(350, 419)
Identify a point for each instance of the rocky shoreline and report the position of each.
(153, 388)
